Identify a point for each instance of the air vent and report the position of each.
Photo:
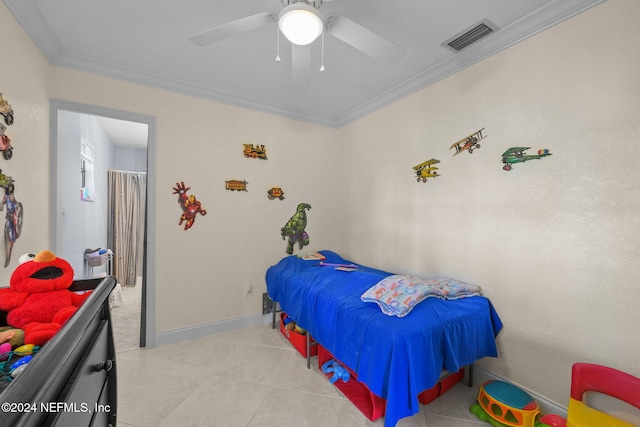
(470, 35)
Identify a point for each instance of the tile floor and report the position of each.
(126, 318)
(246, 378)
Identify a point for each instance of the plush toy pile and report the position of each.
(38, 301)
(290, 325)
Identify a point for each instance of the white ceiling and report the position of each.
(124, 133)
(147, 42)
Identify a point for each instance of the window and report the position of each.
(87, 192)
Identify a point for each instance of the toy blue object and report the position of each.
(10, 366)
(20, 362)
(338, 371)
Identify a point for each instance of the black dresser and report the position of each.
(71, 381)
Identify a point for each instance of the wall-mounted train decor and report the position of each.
(275, 193)
(236, 185)
(255, 152)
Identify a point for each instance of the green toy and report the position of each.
(294, 228)
(503, 404)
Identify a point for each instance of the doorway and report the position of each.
(78, 135)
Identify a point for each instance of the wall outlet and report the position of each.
(248, 290)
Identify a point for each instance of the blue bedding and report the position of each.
(397, 358)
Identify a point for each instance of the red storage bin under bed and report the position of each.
(373, 406)
(299, 341)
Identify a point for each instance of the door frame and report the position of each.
(147, 309)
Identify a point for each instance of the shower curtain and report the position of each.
(125, 228)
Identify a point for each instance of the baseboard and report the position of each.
(200, 331)
(480, 375)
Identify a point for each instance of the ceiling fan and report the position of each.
(301, 23)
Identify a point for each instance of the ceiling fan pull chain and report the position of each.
(322, 61)
(278, 44)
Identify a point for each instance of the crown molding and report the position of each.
(554, 12)
(31, 20)
(529, 25)
(106, 69)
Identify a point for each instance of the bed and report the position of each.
(397, 358)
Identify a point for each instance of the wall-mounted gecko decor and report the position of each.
(294, 229)
(515, 155)
(469, 143)
(236, 185)
(425, 170)
(255, 152)
(275, 193)
(189, 204)
(15, 213)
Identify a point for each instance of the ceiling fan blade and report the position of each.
(363, 39)
(233, 28)
(301, 65)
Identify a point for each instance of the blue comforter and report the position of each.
(397, 358)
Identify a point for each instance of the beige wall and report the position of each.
(201, 274)
(553, 242)
(24, 82)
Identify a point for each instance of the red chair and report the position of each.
(589, 377)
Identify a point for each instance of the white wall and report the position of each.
(554, 242)
(81, 224)
(131, 159)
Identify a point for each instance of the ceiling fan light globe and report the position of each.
(300, 24)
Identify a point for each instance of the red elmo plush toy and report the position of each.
(38, 300)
